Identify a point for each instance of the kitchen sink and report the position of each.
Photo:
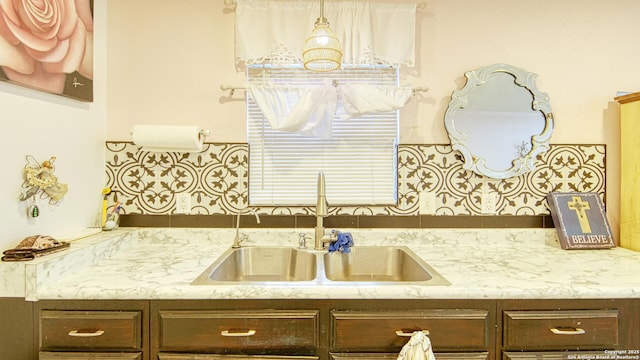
(261, 264)
(380, 264)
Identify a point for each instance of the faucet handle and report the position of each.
(302, 240)
(240, 237)
(330, 236)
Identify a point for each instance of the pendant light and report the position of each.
(322, 50)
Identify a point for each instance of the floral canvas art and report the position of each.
(48, 45)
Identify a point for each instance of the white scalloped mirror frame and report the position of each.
(499, 121)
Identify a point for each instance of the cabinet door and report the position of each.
(275, 332)
(450, 330)
(16, 340)
(629, 186)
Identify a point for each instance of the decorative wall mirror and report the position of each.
(499, 121)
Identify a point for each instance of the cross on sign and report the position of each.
(580, 207)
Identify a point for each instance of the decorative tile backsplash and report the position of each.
(216, 180)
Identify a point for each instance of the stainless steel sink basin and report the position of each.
(260, 264)
(364, 265)
(380, 264)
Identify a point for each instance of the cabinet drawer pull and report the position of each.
(409, 333)
(77, 333)
(568, 331)
(246, 333)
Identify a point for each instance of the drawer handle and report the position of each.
(246, 333)
(409, 333)
(77, 333)
(568, 331)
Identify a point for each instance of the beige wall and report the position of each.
(167, 60)
(162, 61)
(167, 68)
(45, 125)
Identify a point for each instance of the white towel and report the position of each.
(418, 348)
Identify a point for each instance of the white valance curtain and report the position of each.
(274, 31)
(310, 110)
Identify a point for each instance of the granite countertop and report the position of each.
(157, 263)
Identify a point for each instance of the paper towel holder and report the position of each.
(169, 138)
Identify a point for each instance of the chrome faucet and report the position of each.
(322, 210)
(242, 237)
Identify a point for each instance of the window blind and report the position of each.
(359, 160)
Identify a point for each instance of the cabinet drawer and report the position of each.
(386, 331)
(95, 330)
(240, 332)
(43, 355)
(386, 356)
(170, 356)
(561, 330)
(558, 355)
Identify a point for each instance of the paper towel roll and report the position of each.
(168, 138)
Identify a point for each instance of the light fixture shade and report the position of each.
(322, 51)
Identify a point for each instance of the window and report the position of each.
(358, 160)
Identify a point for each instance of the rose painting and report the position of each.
(48, 45)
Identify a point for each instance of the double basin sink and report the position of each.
(363, 264)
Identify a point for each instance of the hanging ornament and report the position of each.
(34, 210)
(39, 177)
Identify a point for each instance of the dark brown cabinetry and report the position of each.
(16, 329)
(377, 329)
(564, 329)
(292, 332)
(92, 330)
(308, 329)
(203, 329)
(89, 356)
(325, 329)
(463, 331)
(561, 329)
